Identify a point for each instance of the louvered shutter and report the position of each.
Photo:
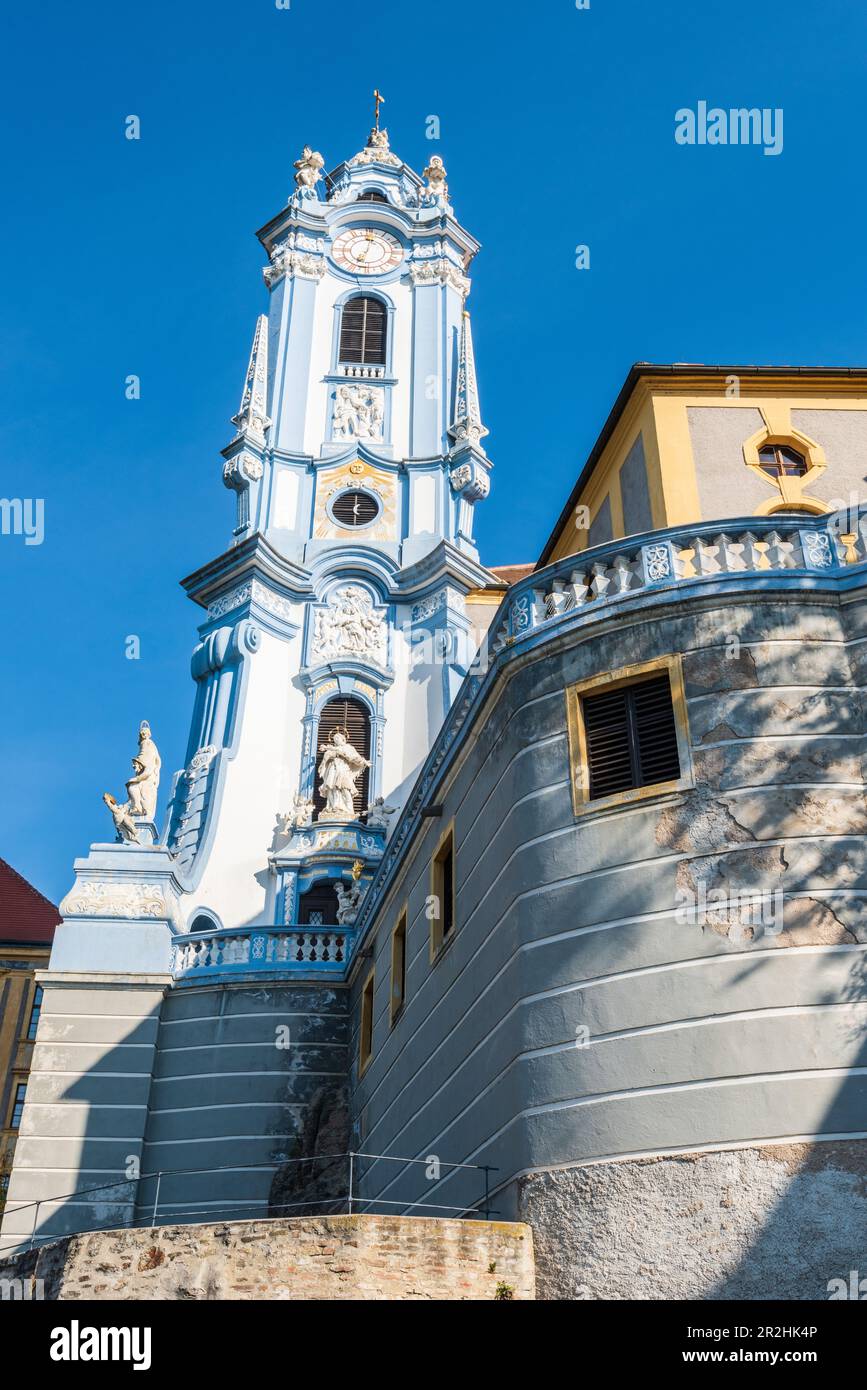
(655, 732)
(355, 508)
(351, 715)
(631, 737)
(362, 331)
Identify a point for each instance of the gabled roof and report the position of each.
(25, 915)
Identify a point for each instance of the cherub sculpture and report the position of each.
(300, 815)
(378, 815)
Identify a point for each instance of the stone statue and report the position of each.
(339, 769)
(349, 901)
(123, 823)
(141, 789)
(435, 173)
(308, 167)
(300, 815)
(142, 786)
(378, 816)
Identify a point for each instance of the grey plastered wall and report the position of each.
(697, 1040)
(248, 1078)
(86, 1107)
(600, 529)
(726, 486)
(843, 436)
(634, 491)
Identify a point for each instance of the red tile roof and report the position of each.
(25, 915)
(510, 574)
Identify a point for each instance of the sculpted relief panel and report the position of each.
(350, 626)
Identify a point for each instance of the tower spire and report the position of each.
(467, 427)
(251, 419)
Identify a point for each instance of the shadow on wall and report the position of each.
(315, 1180)
(94, 1187)
(816, 1231)
(220, 1168)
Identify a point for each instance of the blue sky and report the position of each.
(119, 257)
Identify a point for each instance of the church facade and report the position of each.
(551, 902)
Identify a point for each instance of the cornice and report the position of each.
(444, 563)
(254, 558)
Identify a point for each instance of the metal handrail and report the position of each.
(351, 1197)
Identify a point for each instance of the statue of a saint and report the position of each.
(308, 171)
(435, 173)
(141, 789)
(339, 769)
(143, 785)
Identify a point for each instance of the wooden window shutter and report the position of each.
(362, 331)
(631, 737)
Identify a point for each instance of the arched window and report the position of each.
(362, 331)
(781, 461)
(203, 922)
(351, 716)
(318, 906)
(372, 195)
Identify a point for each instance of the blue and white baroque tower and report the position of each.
(338, 611)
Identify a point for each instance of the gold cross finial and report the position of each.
(378, 99)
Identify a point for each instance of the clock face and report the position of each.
(364, 251)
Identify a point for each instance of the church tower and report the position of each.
(336, 620)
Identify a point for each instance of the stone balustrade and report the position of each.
(308, 949)
(760, 546)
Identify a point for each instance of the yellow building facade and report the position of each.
(27, 923)
(690, 443)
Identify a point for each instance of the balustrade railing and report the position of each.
(302, 948)
(621, 568)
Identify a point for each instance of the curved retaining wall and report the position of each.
(246, 1079)
(617, 1062)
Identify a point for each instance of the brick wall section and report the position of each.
(304, 1258)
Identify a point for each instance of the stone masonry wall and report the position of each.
(778, 1221)
(303, 1258)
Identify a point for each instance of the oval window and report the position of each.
(355, 508)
